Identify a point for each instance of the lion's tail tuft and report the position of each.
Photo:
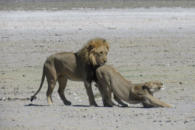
(32, 98)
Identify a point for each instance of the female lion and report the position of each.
(109, 80)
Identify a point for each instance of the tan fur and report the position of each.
(79, 66)
(151, 86)
(109, 80)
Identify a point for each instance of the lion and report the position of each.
(109, 80)
(78, 66)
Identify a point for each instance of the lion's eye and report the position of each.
(101, 52)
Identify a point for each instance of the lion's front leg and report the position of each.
(119, 101)
(150, 101)
(90, 93)
(106, 95)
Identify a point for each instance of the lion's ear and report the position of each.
(144, 87)
(106, 44)
(90, 47)
(92, 59)
(147, 89)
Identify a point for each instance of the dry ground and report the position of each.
(146, 44)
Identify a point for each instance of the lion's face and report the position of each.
(148, 87)
(98, 51)
(99, 55)
(153, 86)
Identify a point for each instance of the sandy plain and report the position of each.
(146, 44)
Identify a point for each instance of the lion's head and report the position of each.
(95, 52)
(153, 86)
(150, 86)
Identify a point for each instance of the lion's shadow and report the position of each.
(140, 107)
(40, 105)
(34, 105)
(79, 105)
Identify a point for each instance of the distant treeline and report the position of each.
(69, 4)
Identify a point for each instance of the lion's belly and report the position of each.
(71, 74)
(133, 101)
(73, 77)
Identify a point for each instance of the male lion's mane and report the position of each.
(86, 54)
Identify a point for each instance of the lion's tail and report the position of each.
(42, 81)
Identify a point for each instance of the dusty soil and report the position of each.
(146, 44)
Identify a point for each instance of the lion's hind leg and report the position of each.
(51, 86)
(150, 101)
(106, 95)
(51, 80)
(62, 85)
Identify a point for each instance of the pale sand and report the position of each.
(146, 44)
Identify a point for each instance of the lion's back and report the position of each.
(105, 70)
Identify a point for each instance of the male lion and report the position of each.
(79, 66)
(109, 80)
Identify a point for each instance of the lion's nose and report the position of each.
(105, 60)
